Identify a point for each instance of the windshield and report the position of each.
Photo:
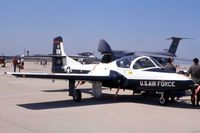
(125, 62)
(143, 63)
(156, 62)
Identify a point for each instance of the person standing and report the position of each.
(15, 64)
(3, 61)
(19, 64)
(194, 72)
(170, 66)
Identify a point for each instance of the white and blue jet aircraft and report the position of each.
(137, 73)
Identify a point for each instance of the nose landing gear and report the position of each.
(163, 99)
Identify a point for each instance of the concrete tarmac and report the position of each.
(40, 106)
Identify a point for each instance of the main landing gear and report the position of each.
(76, 94)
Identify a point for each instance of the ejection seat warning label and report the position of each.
(158, 83)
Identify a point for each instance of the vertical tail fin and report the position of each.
(61, 63)
(106, 51)
(174, 45)
(59, 56)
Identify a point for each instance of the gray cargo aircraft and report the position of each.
(110, 55)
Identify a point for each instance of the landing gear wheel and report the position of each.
(163, 100)
(77, 96)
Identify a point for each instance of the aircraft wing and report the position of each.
(110, 75)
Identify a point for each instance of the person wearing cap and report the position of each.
(194, 71)
(169, 66)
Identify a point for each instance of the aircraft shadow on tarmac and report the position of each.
(105, 99)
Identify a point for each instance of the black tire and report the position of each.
(77, 96)
(163, 100)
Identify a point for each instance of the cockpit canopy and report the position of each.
(136, 62)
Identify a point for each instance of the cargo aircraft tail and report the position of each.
(174, 45)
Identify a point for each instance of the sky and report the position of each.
(134, 25)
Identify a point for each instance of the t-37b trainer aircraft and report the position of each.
(137, 73)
